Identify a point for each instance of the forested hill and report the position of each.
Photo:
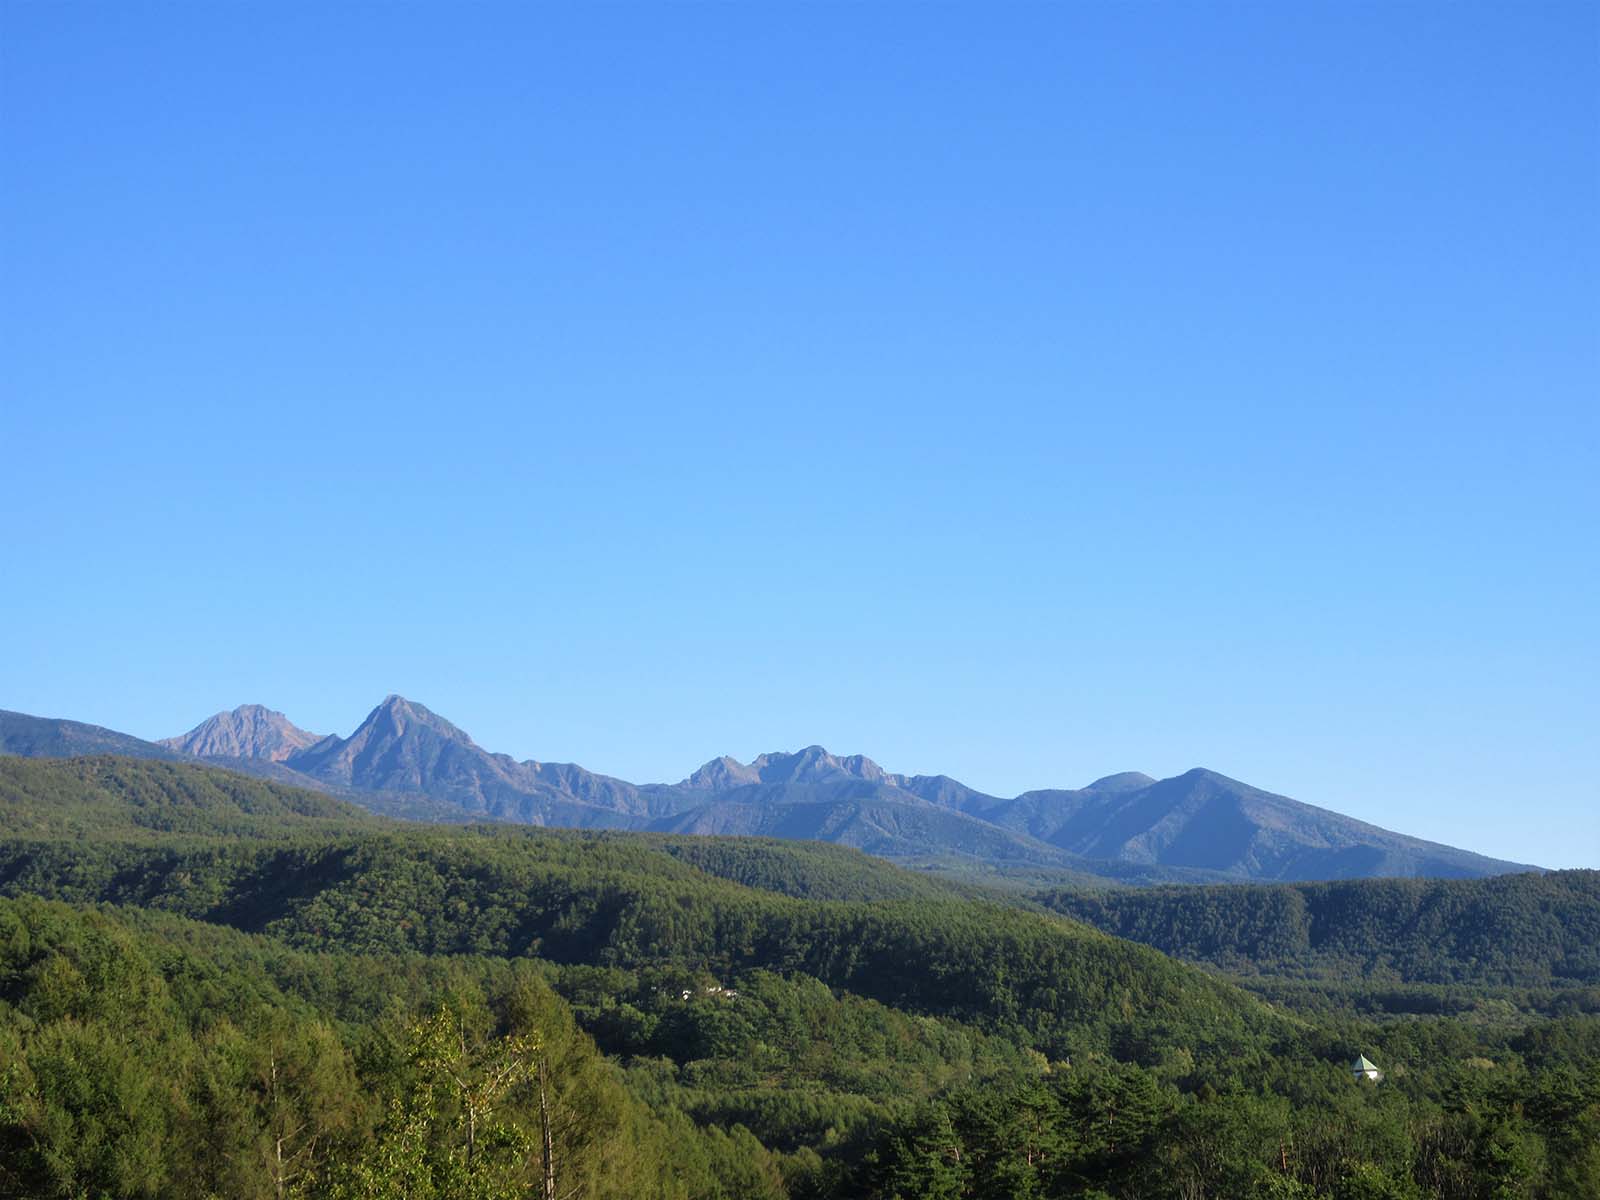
(1526, 930)
(292, 998)
(104, 796)
(812, 870)
(606, 899)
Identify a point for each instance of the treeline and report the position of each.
(1528, 930)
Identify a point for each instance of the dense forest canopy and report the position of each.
(1530, 929)
(219, 986)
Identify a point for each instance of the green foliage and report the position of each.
(447, 1134)
(615, 900)
(1529, 930)
(144, 1056)
(294, 1001)
(126, 797)
(810, 870)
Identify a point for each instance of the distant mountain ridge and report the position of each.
(404, 759)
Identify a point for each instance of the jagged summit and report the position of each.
(813, 764)
(401, 746)
(249, 731)
(721, 774)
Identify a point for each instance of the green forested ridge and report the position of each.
(820, 870)
(1529, 930)
(610, 900)
(765, 1021)
(103, 796)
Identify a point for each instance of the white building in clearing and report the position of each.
(1365, 1068)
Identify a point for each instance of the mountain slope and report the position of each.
(52, 737)
(405, 748)
(1205, 821)
(878, 824)
(1199, 825)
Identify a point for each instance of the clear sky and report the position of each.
(1024, 393)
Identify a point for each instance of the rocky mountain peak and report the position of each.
(249, 731)
(721, 774)
(815, 765)
(397, 716)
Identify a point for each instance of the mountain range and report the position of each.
(408, 761)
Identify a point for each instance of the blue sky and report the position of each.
(1024, 393)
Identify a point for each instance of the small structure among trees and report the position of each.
(1365, 1068)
